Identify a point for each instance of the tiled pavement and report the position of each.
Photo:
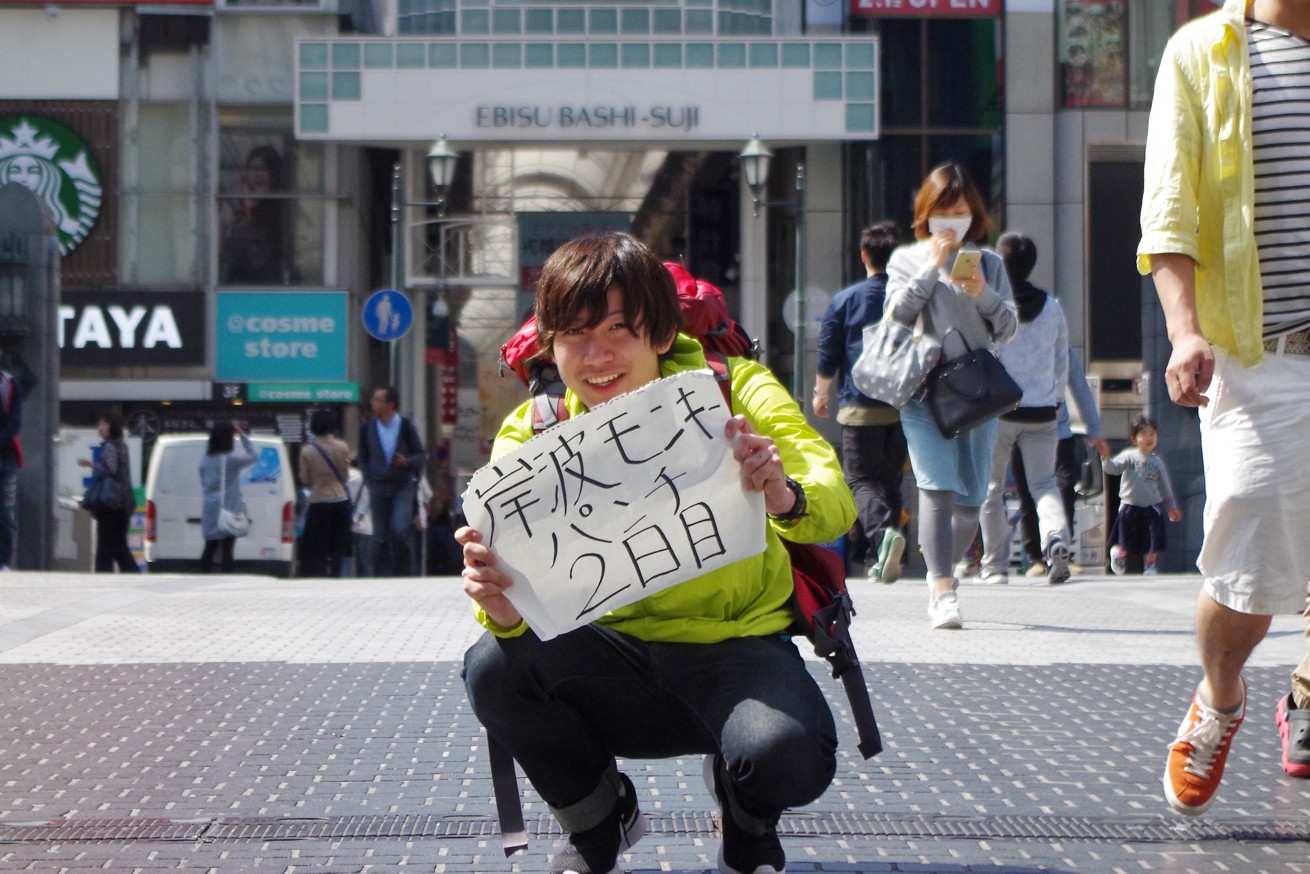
(233, 724)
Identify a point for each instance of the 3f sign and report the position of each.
(116, 327)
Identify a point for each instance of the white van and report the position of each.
(174, 500)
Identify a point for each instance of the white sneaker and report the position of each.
(1150, 571)
(944, 611)
(965, 569)
(993, 578)
(1057, 559)
(1118, 560)
(889, 555)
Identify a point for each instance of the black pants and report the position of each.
(223, 547)
(873, 459)
(1067, 474)
(111, 543)
(567, 706)
(327, 539)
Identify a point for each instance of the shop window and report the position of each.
(271, 205)
(1109, 52)
(159, 202)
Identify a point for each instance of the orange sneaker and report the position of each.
(1198, 755)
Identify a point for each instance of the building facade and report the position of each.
(240, 178)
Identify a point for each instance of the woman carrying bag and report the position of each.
(974, 312)
(324, 460)
(112, 487)
(220, 480)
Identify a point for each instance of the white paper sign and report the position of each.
(637, 495)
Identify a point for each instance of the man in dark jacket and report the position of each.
(391, 457)
(872, 445)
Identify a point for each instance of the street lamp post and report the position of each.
(755, 160)
(442, 161)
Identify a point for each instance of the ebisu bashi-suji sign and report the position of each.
(58, 167)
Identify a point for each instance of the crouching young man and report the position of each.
(705, 667)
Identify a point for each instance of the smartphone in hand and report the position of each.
(966, 261)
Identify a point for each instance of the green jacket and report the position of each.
(747, 598)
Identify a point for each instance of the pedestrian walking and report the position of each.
(951, 474)
(391, 457)
(1227, 183)
(1038, 359)
(220, 482)
(873, 448)
(113, 462)
(324, 460)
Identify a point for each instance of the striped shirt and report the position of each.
(1280, 116)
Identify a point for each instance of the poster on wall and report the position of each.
(1092, 44)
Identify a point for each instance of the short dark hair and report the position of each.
(878, 241)
(114, 419)
(1140, 424)
(321, 423)
(946, 184)
(392, 393)
(1019, 253)
(576, 279)
(220, 438)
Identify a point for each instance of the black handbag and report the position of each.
(970, 390)
(104, 494)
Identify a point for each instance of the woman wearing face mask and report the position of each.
(949, 214)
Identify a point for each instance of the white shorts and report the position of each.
(1255, 436)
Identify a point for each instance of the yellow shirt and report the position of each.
(1199, 197)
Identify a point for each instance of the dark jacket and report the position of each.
(372, 461)
(841, 336)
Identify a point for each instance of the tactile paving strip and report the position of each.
(845, 824)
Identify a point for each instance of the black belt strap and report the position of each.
(509, 812)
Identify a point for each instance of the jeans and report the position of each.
(566, 707)
(393, 513)
(1067, 473)
(873, 458)
(8, 508)
(1036, 440)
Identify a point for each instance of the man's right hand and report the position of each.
(483, 582)
(1191, 367)
(820, 404)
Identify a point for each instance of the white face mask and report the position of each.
(960, 224)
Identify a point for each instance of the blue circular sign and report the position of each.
(387, 315)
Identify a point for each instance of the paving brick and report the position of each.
(308, 726)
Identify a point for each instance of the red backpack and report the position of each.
(821, 604)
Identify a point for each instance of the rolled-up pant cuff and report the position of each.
(591, 810)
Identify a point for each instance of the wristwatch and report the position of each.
(799, 508)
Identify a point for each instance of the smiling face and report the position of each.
(608, 358)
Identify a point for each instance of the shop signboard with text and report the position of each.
(928, 8)
(131, 327)
(280, 336)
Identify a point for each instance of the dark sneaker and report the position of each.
(596, 851)
(1294, 729)
(742, 852)
(1057, 562)
(1198, 755)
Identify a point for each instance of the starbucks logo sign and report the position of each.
(57, 166)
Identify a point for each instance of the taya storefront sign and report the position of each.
(925, 8)
(131, 328)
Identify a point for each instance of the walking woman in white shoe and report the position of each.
(951, 474)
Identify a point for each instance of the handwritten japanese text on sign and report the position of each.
(602, 510)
